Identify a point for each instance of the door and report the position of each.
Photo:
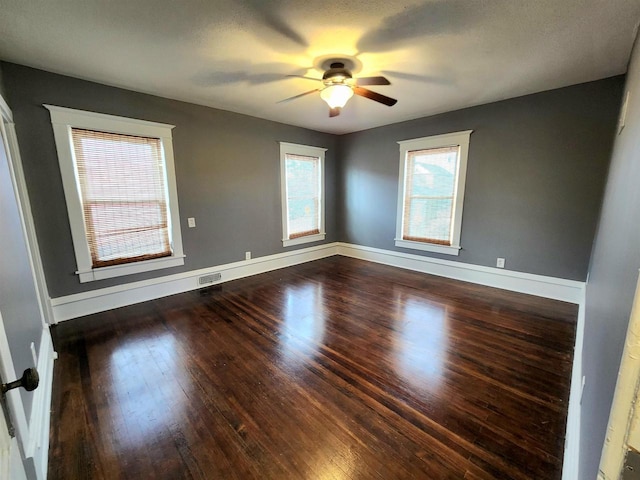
(11, 466)
(623, 431)
(22, 328)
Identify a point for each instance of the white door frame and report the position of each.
(624, 401)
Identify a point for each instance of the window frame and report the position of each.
(307, 151)
(460, 139)
(63, 120)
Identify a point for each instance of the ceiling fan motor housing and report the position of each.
(337, 74)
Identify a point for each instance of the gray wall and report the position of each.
(612, 280)
(536, 172)
(227, 169)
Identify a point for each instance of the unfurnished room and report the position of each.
(250, 239)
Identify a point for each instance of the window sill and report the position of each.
(130, 268)
(300, 240)
(429, 247)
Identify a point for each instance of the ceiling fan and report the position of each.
(338, 86)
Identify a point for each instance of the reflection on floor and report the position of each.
(334, 369)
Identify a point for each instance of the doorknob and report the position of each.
(29, 381)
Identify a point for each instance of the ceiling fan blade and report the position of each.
(363, 92)
(306, 78)
(298, 96)
(334, 112)
(372, 81)
(420, 78)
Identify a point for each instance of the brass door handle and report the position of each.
(29, 381)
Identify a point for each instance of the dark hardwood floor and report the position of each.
(331, 370)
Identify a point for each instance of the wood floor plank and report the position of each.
(334, 369)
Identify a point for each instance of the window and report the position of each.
(120, 189)
(431, 192)
(302, 177)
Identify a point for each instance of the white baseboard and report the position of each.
(38, 443)
(571, 463)
(539, 285)
(86, 303)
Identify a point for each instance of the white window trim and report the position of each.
(308, 151)
(436, 141)
(63, 120)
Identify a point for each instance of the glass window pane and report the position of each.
(122, 183)
(429, 198)
(303, 194)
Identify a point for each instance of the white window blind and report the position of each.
(431, 177)
(303, 190)
(124, 196)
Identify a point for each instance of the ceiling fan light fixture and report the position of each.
(336, 96)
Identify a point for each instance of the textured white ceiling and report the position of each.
(440, 55)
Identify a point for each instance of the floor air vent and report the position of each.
(207, 279)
